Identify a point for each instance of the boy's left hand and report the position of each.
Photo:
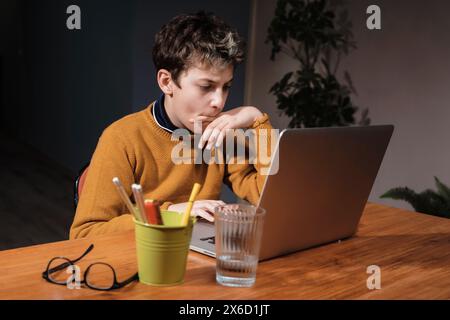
(214, 133)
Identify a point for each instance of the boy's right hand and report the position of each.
(200, 208)
(236, 118)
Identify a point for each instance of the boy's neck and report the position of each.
(170, 110)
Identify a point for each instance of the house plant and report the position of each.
(316, 34)
(428, 201)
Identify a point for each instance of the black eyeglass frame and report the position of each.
(116, 284)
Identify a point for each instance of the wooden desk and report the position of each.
(412, 250)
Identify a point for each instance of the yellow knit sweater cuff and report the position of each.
(263, 119)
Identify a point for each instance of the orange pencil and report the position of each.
(153, 212)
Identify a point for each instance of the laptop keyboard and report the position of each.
(211, 240)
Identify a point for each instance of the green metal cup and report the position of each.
(162, 250)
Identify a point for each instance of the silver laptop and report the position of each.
(323, 180)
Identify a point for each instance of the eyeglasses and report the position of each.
(98, 276)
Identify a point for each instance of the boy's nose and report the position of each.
(218, 103)
(215, 110)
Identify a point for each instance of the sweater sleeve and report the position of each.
(100, 209)
(247, 179)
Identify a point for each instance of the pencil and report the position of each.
(125, 198)
(139, 198)
(187, 213)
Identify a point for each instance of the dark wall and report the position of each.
(75, 82)
(71, 84)
(10, 59)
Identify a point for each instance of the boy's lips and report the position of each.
(206, 120)
(210, 115)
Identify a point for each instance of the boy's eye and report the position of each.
(207, 88)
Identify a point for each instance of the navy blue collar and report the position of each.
(161, 117)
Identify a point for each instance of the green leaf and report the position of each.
(428, 201)
(435, 204)
(443, 190)
(404, 193)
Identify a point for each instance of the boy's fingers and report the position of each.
(213, 202)
(199, 203)
(206, 205)
(204, 137)
(202, 213)
(212, 138)
(221, 137)
(216, 132)
(199, 123)
(206, 134)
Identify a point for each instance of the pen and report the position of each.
(125, 198)
(153, 212)
(139, 198)
(187, 213)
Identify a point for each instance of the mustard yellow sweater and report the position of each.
(137, 150)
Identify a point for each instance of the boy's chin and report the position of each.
(195, 130)
(198, 129)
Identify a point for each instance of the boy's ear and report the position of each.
(165, 81)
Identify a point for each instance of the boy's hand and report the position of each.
(200, 208)
(241, 117)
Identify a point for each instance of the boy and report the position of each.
(195, 56)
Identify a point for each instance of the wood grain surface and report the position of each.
(411, 249)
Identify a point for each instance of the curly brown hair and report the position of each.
(196, 38)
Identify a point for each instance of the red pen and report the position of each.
(153, 212)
